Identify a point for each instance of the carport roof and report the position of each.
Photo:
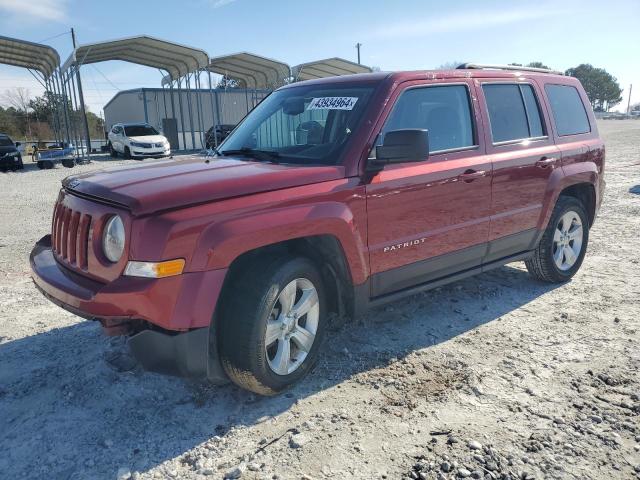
(34, 56)
(177, 60)
(252, 70)
(329, 67)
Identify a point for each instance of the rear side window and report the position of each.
(568, 110)
(445, 111)
(514, 113)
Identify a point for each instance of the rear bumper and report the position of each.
(182, 306)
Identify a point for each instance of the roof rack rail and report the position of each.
(507, 67)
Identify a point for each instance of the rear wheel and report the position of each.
(561, 250)
(272, 325)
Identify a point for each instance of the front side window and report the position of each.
(514, 113)
(6, 142)
(445, 111)
(139, 130)
(303, 125)
(568, 110)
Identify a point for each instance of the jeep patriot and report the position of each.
(331, 196)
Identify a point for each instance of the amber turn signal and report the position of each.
(168, 268)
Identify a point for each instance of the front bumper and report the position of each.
(9, 162)
(181, 306)
(150, 152)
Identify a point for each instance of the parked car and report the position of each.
(10, 156)
(221, 132)
(229, 267)
(137, 140)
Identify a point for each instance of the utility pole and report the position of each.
(358, 45)
(81, 95)
(629, 101)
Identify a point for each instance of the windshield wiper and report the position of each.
(262, 155)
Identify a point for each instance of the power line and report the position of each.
(105, 77)
(55, 36)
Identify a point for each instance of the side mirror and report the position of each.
(18, 144)
(400, 146)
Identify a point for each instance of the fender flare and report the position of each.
(560, 179)
(222, 242)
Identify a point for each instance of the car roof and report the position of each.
(132, 124)
(403, 76)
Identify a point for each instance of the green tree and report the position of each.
(537, 65)
(531, 65)
(602, 88)
(449, 65)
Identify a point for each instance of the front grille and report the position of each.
(70, 236)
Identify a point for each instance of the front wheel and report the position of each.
(112, 151)
(564, 243)
(127, 152)
(272, 325)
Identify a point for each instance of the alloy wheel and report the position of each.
(292, 326)
(567, 240)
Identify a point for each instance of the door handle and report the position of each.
(470, 175)
(544, 162)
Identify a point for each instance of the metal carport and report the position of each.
(329, 67)
(176, 61)
(43, 62)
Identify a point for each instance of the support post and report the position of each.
(214, 120)
(81, 95)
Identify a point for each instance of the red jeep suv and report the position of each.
(331, 196)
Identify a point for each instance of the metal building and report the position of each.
(154, 106)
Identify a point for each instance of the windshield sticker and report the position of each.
(332, 103)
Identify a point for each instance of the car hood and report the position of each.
(148, 139)
(169, 184)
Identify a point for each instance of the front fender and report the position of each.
(222, 242)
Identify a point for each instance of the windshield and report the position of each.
(139, 130)
(306, 125)
(6, 142)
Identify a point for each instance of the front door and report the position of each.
(429, 219)
(523, 155)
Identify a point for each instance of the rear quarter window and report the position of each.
(514, 114)
(568, 110)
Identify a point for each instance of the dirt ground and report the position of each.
(497, 376)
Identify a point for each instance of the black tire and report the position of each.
(48, 164)
(127, 153)
(542, 265)
(68, 162)
(112, 151)
(248, 303)
(40, 164)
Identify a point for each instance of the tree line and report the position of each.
(33, 119)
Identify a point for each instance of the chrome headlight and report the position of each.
(113, 239)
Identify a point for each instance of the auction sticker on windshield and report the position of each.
(332, 103)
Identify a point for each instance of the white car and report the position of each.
(137, 140)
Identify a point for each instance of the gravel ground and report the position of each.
(497, 376)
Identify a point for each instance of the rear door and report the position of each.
(429, 219)
(523, 156)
